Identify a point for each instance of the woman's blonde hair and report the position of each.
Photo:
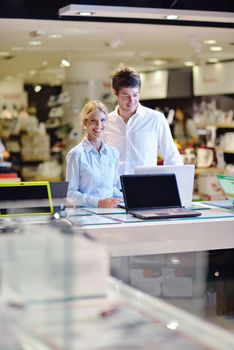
(91, 107)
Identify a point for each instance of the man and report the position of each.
(138, 132)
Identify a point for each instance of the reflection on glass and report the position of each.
(199, 282)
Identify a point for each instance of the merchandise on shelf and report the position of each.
(35, 147)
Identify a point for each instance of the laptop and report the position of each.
(25, 199)
(153, 197)
(227, 184)
(184, 177)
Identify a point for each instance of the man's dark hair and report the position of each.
(125, 77)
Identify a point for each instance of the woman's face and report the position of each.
(95, 125)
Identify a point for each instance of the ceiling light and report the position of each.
(55, 36)
(212, 60)
(65, 63)
(172, 17)
(173, 325)
(37, 88)
(44, 63)
(209, 42)
(85, 13)
(175, 261)
(159, 62)
(35, 42)
(189, 63)
(216, 48)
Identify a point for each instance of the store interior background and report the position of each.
(50, 65)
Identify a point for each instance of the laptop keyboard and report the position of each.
(162, 211)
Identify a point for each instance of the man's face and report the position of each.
(128, 99)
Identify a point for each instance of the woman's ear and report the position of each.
(85, 124)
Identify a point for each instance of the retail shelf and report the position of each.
(225, 126)
(211, 170)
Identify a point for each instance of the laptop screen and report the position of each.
(25, 198)
(184, 176)
(150, 191)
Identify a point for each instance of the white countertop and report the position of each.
(213, 230)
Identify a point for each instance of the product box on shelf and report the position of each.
(35, 147)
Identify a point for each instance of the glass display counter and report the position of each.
(202, 283)
(128, 236)
(124, 319)
(186, 262)
(56, 293)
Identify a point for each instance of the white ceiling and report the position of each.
(137, 45)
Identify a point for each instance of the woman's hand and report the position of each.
(109, 202)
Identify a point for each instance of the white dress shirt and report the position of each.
(92, 175)
(146, 133)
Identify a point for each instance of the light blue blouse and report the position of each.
(92, 175)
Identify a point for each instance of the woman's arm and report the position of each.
(73, 177)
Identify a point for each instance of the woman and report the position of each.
(185, 130)
(92, 166)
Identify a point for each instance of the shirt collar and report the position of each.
(138, 111)
(89, 147)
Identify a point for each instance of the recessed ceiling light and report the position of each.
(35, 42)
(189, 63)
(37, 88)
(173, 325)
(172, 17)
(55, 36)
(216, 48)
(65, 63)
(85, 13)
(210, 42)
(212, 60)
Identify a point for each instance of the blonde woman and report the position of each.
(92, 166)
